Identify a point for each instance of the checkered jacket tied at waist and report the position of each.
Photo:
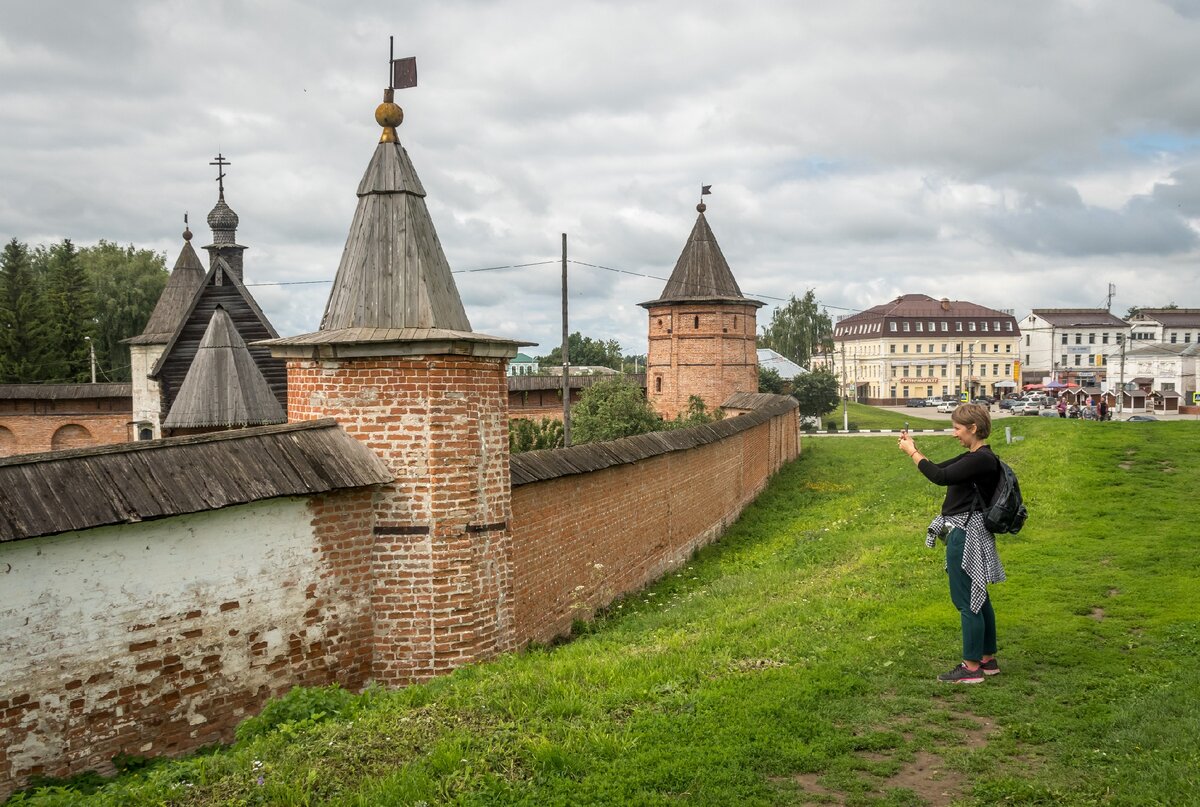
(980, 560)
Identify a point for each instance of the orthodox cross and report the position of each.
(221, 162)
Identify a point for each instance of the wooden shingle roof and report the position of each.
(62, 392)
(60, 491)
(701, 274)
(220, 288)
(176, 298)
(536, 466)
(223, 386)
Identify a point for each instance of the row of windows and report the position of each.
(1091, 338)
(928, 326)
(1093, 360)
(902, 371)
(958, 348)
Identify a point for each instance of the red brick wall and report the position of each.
(29, 432)
(705, 349)
(442, 552)
(129, 665)
(582, 540)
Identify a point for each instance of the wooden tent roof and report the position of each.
(223, 386)
(701, 274)
(393, 273)
(176, 297)
(220, 288)
(393, 292)
(60, 491)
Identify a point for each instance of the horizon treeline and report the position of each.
(55, 298)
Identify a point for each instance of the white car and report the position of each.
(947, 407)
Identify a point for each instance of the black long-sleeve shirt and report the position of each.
(960, 475)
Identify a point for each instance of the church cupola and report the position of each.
(224, 222)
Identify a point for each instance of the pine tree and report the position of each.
(21, 317)
(69, 310)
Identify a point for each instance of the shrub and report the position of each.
(529, 435)
(303, 706)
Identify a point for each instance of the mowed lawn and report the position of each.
(794, 662)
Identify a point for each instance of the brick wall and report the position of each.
(442, 552)
(580, 541)
(157, 638)
(26, 431)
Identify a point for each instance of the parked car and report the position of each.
(1140, 418)
(983, 400)
(947, 407)
(1019, 407)
(915, 402)
(1009, 403)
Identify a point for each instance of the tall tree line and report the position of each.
(54, 299)
(798, 330)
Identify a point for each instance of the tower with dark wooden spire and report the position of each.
(396, 361)
(702, 330)
(146, 348)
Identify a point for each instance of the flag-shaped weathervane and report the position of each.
(403, 72)
(705, 190)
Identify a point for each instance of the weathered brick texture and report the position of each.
(582, 540)
(704, 349)
(28, 432)
(157, 638)
(442, 547)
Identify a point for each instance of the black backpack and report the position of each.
(1006, 512)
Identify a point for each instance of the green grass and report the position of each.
(872, 417)
(797, 657)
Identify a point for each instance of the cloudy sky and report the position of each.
(1016, 154)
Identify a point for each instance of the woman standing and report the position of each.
(970, 480)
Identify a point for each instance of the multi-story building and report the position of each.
(1166, 372)
(919, 347)
(1070, 344)
(1168, 326)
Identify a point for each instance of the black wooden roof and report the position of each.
(176, 298)
(62, 392)
(60, 491)
(701, 274)
(223, 387)
(537, 466)
(220, 288)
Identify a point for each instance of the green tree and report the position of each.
(798, 329)
(125, 283)
(69, 311)
(697, 414)
(769, 380)
(817, 393)
(612, 409)
(22, 321)
(530, 435)
(583, 350)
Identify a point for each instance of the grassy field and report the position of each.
(862, 416)
(794, 662)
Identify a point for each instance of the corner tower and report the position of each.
(702, 330)
(396, 362)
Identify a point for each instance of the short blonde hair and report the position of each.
(971, 414)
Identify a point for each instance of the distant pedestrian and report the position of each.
(1103, 410)
(972, 563)
(1062, 408)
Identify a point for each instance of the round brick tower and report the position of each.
(702, 330)
(396, 363)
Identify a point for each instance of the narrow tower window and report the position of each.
(696, 322)
(658, 383)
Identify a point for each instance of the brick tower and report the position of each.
(702, 330)
(396, 362)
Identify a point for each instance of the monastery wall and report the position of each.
(581, 541)
(28, 432)
(157, 638)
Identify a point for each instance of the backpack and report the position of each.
(1006, 512)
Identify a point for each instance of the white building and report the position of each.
(1070, 344)
(1169, 326)
(1160, 369)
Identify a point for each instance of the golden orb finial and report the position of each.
(389, 115)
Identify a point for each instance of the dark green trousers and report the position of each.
(978, 630)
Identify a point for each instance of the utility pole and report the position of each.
(566, 357)
(962, 379)
(1121, 388)
(92, 355)
(845, 411)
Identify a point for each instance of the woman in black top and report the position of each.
(970, 480)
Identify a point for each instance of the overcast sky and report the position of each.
(1015, 154)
